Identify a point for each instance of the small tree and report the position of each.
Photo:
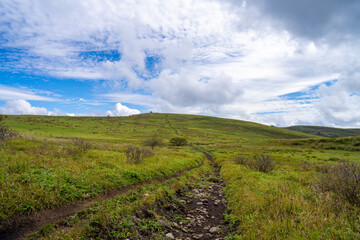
(178, 141)
(152, 142)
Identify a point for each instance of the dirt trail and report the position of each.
(203, 212)
(20, 227)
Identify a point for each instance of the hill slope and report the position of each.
(327, 131)
(120, 128)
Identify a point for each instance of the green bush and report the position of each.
(178, 141)
(262, 163)
(136, 155)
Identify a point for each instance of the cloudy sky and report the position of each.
(277, 62)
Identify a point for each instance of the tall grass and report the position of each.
(38, 174)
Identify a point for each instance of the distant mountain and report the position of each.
(326, 131)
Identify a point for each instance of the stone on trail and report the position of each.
(170, 235)
(213, 229)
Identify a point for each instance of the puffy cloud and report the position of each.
(19, 107)
(210, 58)
(338, 105)
(121, 110)
(189, 88)
(313, 19)
(22, 107)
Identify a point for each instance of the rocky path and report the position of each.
(202, 215)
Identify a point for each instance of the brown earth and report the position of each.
(202, 213)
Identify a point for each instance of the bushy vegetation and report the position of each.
(262, 163)
(178, 141)
(81, 145)
(136, 154)
(343, 180)
(5, 132)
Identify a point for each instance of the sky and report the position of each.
(276, 62)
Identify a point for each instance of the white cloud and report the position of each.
(9, 93)
(22, 107)
(214, 58)
(121, 110)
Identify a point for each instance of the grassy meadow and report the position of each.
(50, 165)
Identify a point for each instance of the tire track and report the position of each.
(21, 226)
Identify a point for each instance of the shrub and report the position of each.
(152, 142)
(241, 160)
(178, 141)
(262, 163)
(81, 145)
(5, 132)
(136, 155)
(342, 179)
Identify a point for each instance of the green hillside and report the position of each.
(129, 128)
(326, 131)
(272, 177)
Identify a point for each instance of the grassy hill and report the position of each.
(326, 131)
(139, 126)
(56, 161)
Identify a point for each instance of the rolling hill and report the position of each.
(97, 178)
(326, 131)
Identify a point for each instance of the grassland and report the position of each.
(44, 168)
(327, 131)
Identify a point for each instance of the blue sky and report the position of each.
(264, 61)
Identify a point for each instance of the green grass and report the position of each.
(37, 174)
(44, 169)
(283, 204)
(123, 217)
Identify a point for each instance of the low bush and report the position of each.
(241, 160)
(343, 180)
(178, 141)
(136, 154)
(81, 145)
(262, 163)
(5, 132)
